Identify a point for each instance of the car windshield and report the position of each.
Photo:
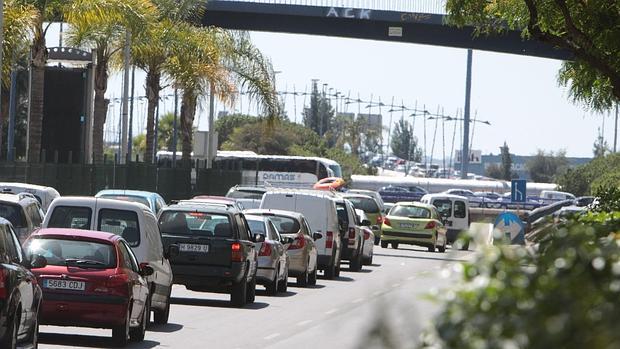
(246, 194)
(73, 217)
(257, 226)
(80, 253)
(410, 211)
(14, 214)
(444, 207)
(368, 205)
(195, 223)
(131, 198)
(120, 222)
(285, 225)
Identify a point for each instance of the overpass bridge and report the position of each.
(408, 21)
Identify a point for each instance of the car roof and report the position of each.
(416, 204)
(68, 232)
(19, 198)
(307, 192)
(89, 200)
(127, 192)
(26, 186)
(445, 195)
(188, 207)
(256, 217)
(290, 214)
(249, 188)
(212, 198)
(354, 195)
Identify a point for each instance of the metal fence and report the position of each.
(415, 6)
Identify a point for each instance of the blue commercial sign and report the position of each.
(518, 190)
(510, 226)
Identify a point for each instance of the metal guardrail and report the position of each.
(413, 6)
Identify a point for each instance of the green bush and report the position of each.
(563, 294)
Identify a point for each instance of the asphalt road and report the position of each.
(385, 305)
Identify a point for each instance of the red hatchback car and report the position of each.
(92, 279)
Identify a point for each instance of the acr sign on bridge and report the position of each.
(348, 13)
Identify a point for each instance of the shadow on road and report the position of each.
(215, 303)
(278, 295)
(167, 328)
(422, 257)
(90, 341)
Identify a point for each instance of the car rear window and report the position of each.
(74, 217)
(246, 194)
(367, 205)
(257, 226)
(444, 207)
(73, 252)
(285, 225)
(195, 223)
(120, 222)
(410, 212)
(130, 198)
(14, 214)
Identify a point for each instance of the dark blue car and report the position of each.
(395, 193)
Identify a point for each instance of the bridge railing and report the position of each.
(414, 6)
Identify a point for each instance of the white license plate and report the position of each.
(194, 248)
(406, 225)
(64, 284)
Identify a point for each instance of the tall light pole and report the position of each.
(465, 148)
(1, 42)
(125, 100)
(616, 129)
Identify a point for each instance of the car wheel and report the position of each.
(312, 277)
(137, 334)
(384, 244)
(330, 272)
(251, 292)
(442, 248)
(356, 264)
(161, 316)
(238, 294)
(283, 286)
(337, 271)
(395, 245)
(377, 239)
(272, 286)
(120, 334)
(431, 248)
(303, 279)
(370, 261)
(465, 246)
(33, 336)
(10, 337)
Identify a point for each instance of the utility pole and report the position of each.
(465, 148)
(10, 151)
(133, 90)
(211, 125)
(125, 100)
(616, 129)
(2, 45)
(174, 127)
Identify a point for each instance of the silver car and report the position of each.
(273, 262)
(302, 251)
(369, 238)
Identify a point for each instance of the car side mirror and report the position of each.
(317, 236)
(38, 262)
(258, 238)
(146, 270)
(173, 251)
(366, 223)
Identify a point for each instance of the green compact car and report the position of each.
(414, 223)
(371, 207)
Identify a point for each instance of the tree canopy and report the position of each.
(545, 166)
(587, 29)
(404, 144)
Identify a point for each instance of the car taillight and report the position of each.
(366, 235)
(117, 280)
(299, 242)
(351, 233)
(379, 219)
(237, 253)
(387, 222)
(265, 249)
(329, 242)
(3, 285)
(430, 225)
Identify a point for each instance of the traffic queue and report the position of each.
(110, 261)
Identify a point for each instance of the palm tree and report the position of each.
(152, 49)
(18, 26)
(103, 25)
(218, 60)
(44, 12)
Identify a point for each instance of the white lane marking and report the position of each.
(402, 263)
(331, 311)
(302, 323)
(271, 336)
(411, 278)
(359, 300)
(377, 293)
(395, 285)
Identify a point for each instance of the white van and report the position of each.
(454, 210)
(135, 223)
(319, 208)
(45, 195)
